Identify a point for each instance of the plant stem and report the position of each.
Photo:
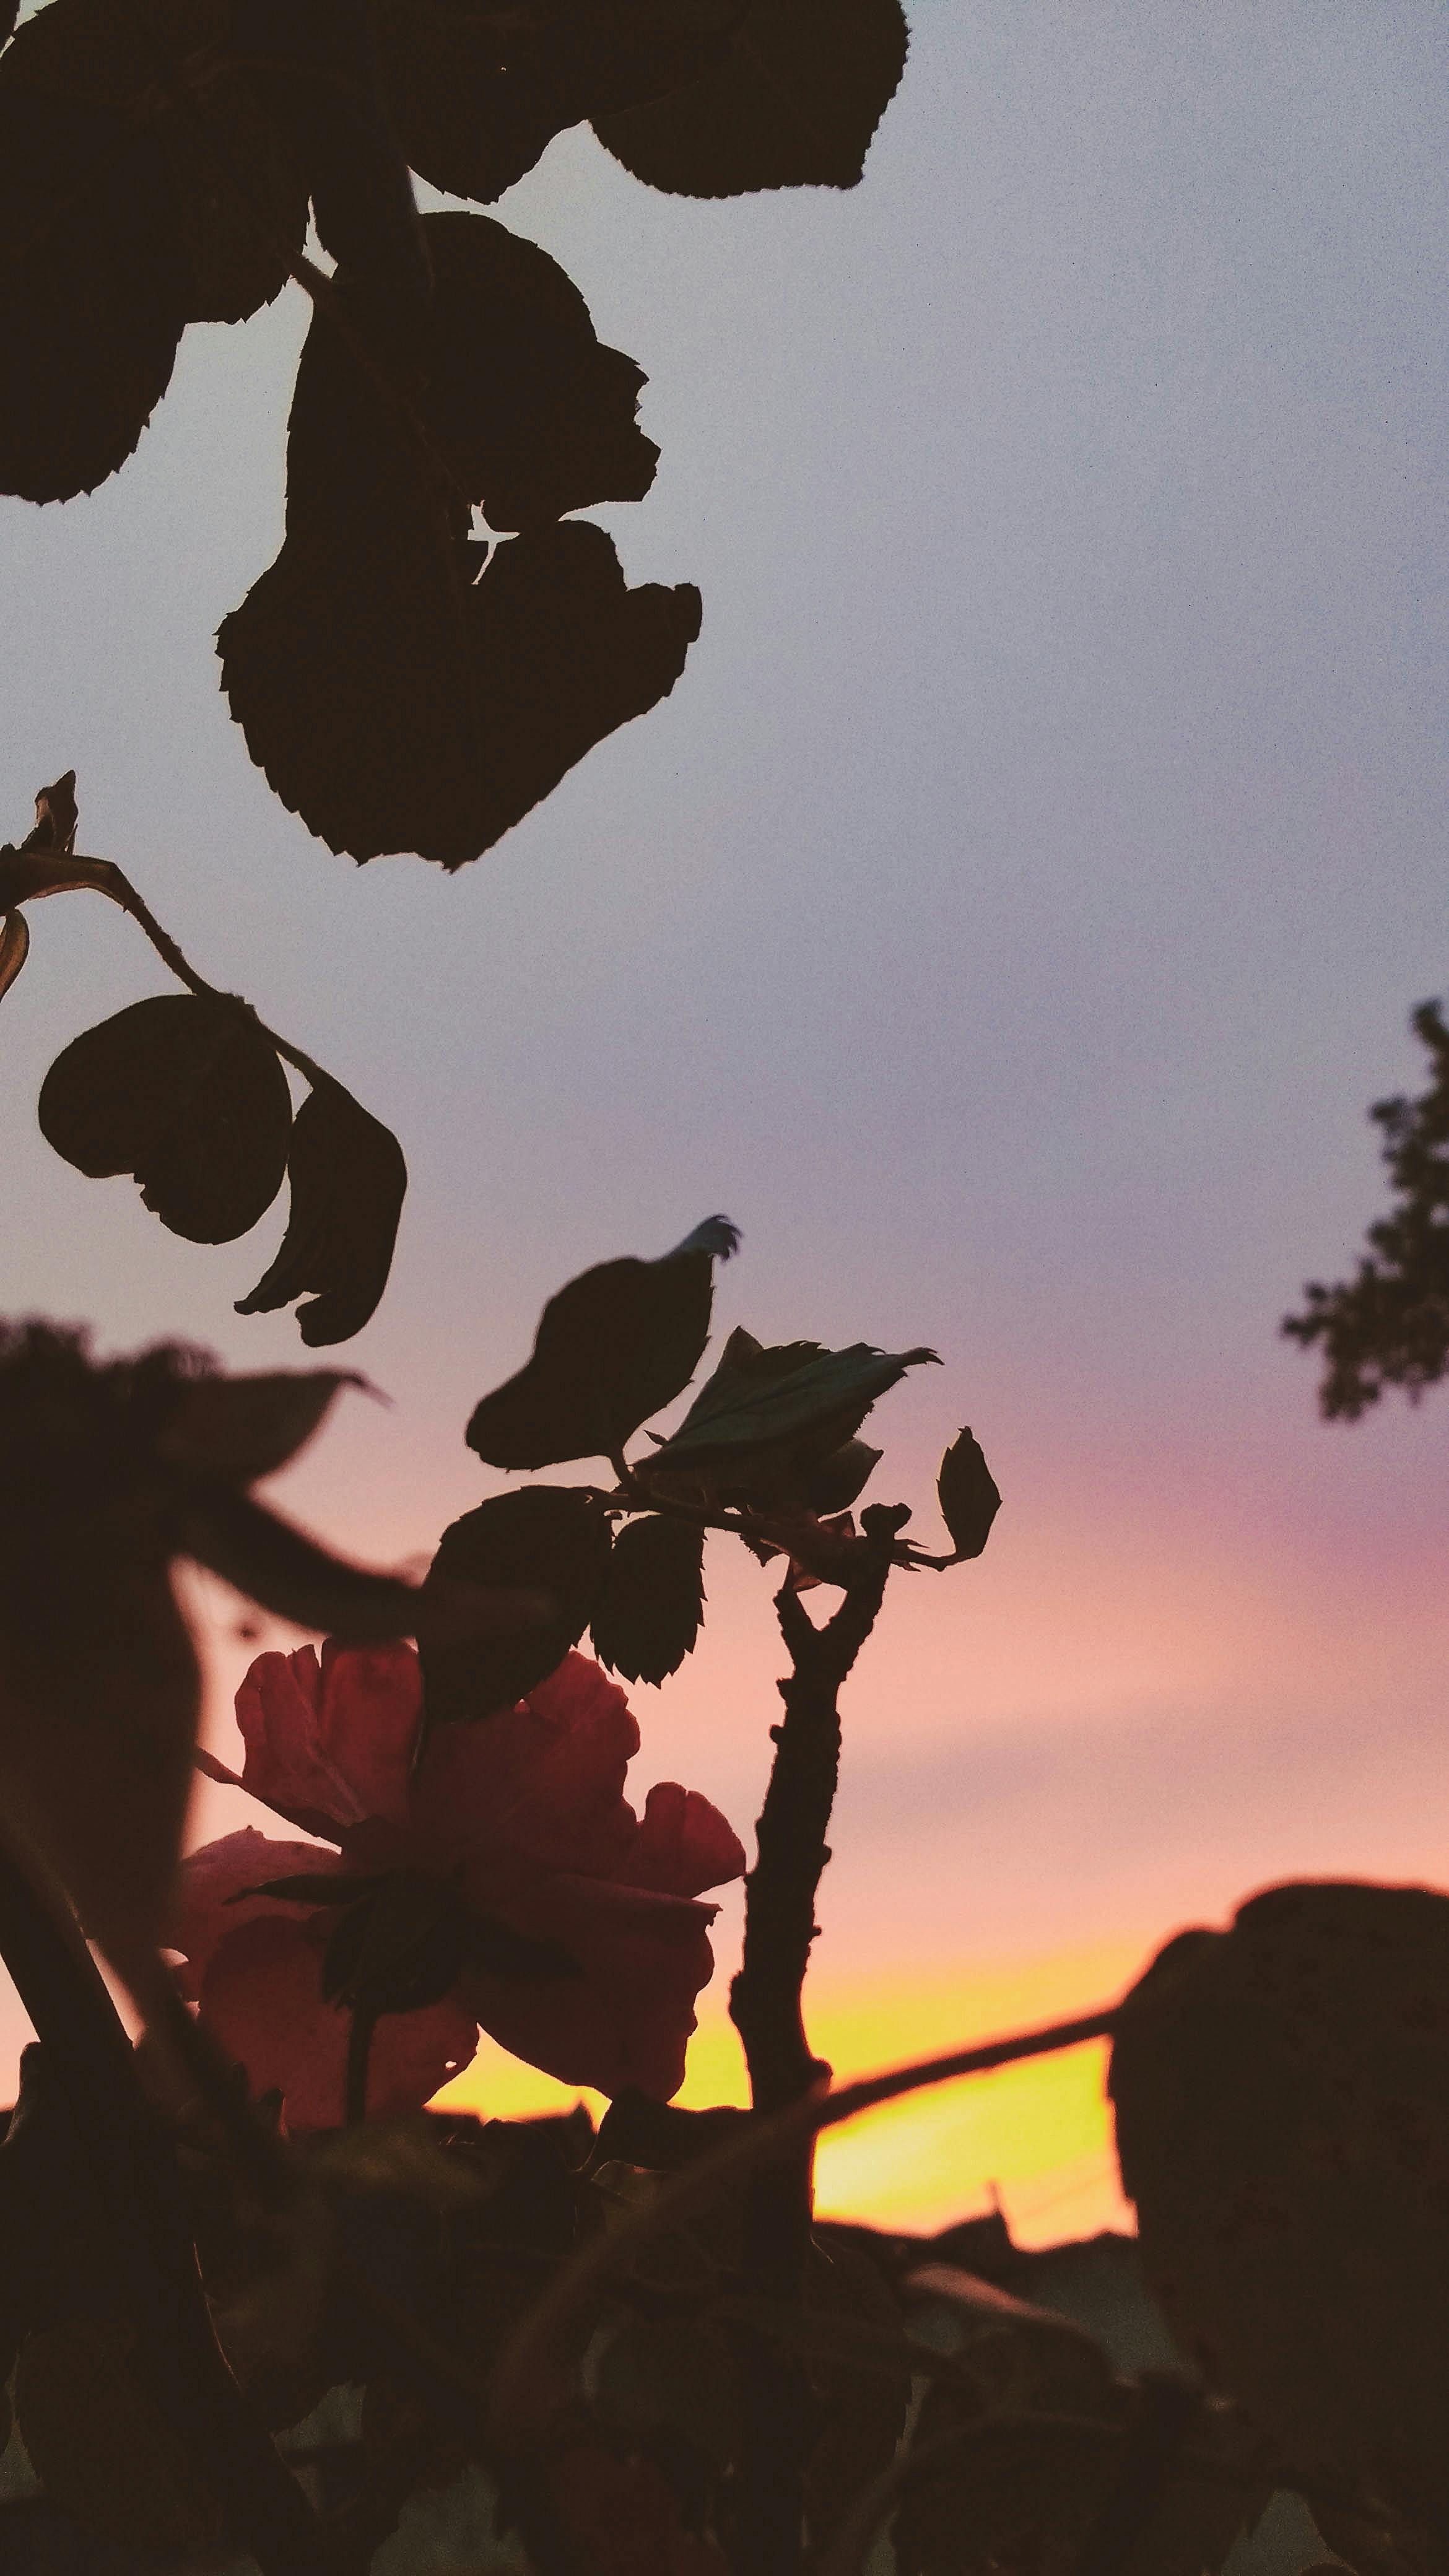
(789, 1536)
(106, 878)
(137, 2186)
(765, 2005)
(359, 2049)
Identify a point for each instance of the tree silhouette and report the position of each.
(1389, 1325)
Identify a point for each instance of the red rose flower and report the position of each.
(524, 1813)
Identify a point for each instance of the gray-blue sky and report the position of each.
(1007, 919)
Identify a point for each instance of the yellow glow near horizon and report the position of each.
(1037, 2136)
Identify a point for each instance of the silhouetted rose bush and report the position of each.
(631, 2352)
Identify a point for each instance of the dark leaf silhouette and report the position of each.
(793, 102)
(966, 1492)
(395, 707)
(405, 1938)
(323, 58)
(614, 1346)
(14, 948)
(98, 2438)
(56, 817)
(399, 1944)
(551, 1538)
(396, 699)
(477, 92)
(1389, 1324)
(262, 1556)
(186, 1092)
(348, 1181)
(43, 863)
(143, 185)
(769, 1416)
(841, 1478)
(860, 2373)
(1280, 2093)
(500, 395)
(653, 1599)
(1030, 2491)
(105, 1474)
(243, 1428)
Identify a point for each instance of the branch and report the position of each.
(777, 2407)
(792, 1851)
(104, 877)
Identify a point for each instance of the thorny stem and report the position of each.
(789, 1537)
(134, 2175)
(792, 1851)
(765, 2006)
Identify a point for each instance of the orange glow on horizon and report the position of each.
(1037, 2136)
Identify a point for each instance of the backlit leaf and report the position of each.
(613, 1346)
(1281, 2093)
(185, 1092)
(966, 1491)
(653, 1599)
(768, 1414)
(348, 1182)
(552, 1538)
(799, 92)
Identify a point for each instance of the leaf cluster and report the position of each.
(188, 1094)
(108, 1472)
(405, 680)
(999, 2440)
(1388, 1325)
(768, 1452)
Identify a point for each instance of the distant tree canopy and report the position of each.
(1388, 1325)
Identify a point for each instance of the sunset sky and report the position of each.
(1007, 921)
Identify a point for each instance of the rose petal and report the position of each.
(627, 2019)
(545, 1779)
(203, 1913)
(262, 1999)
(683, 1845)
(332, 1743)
